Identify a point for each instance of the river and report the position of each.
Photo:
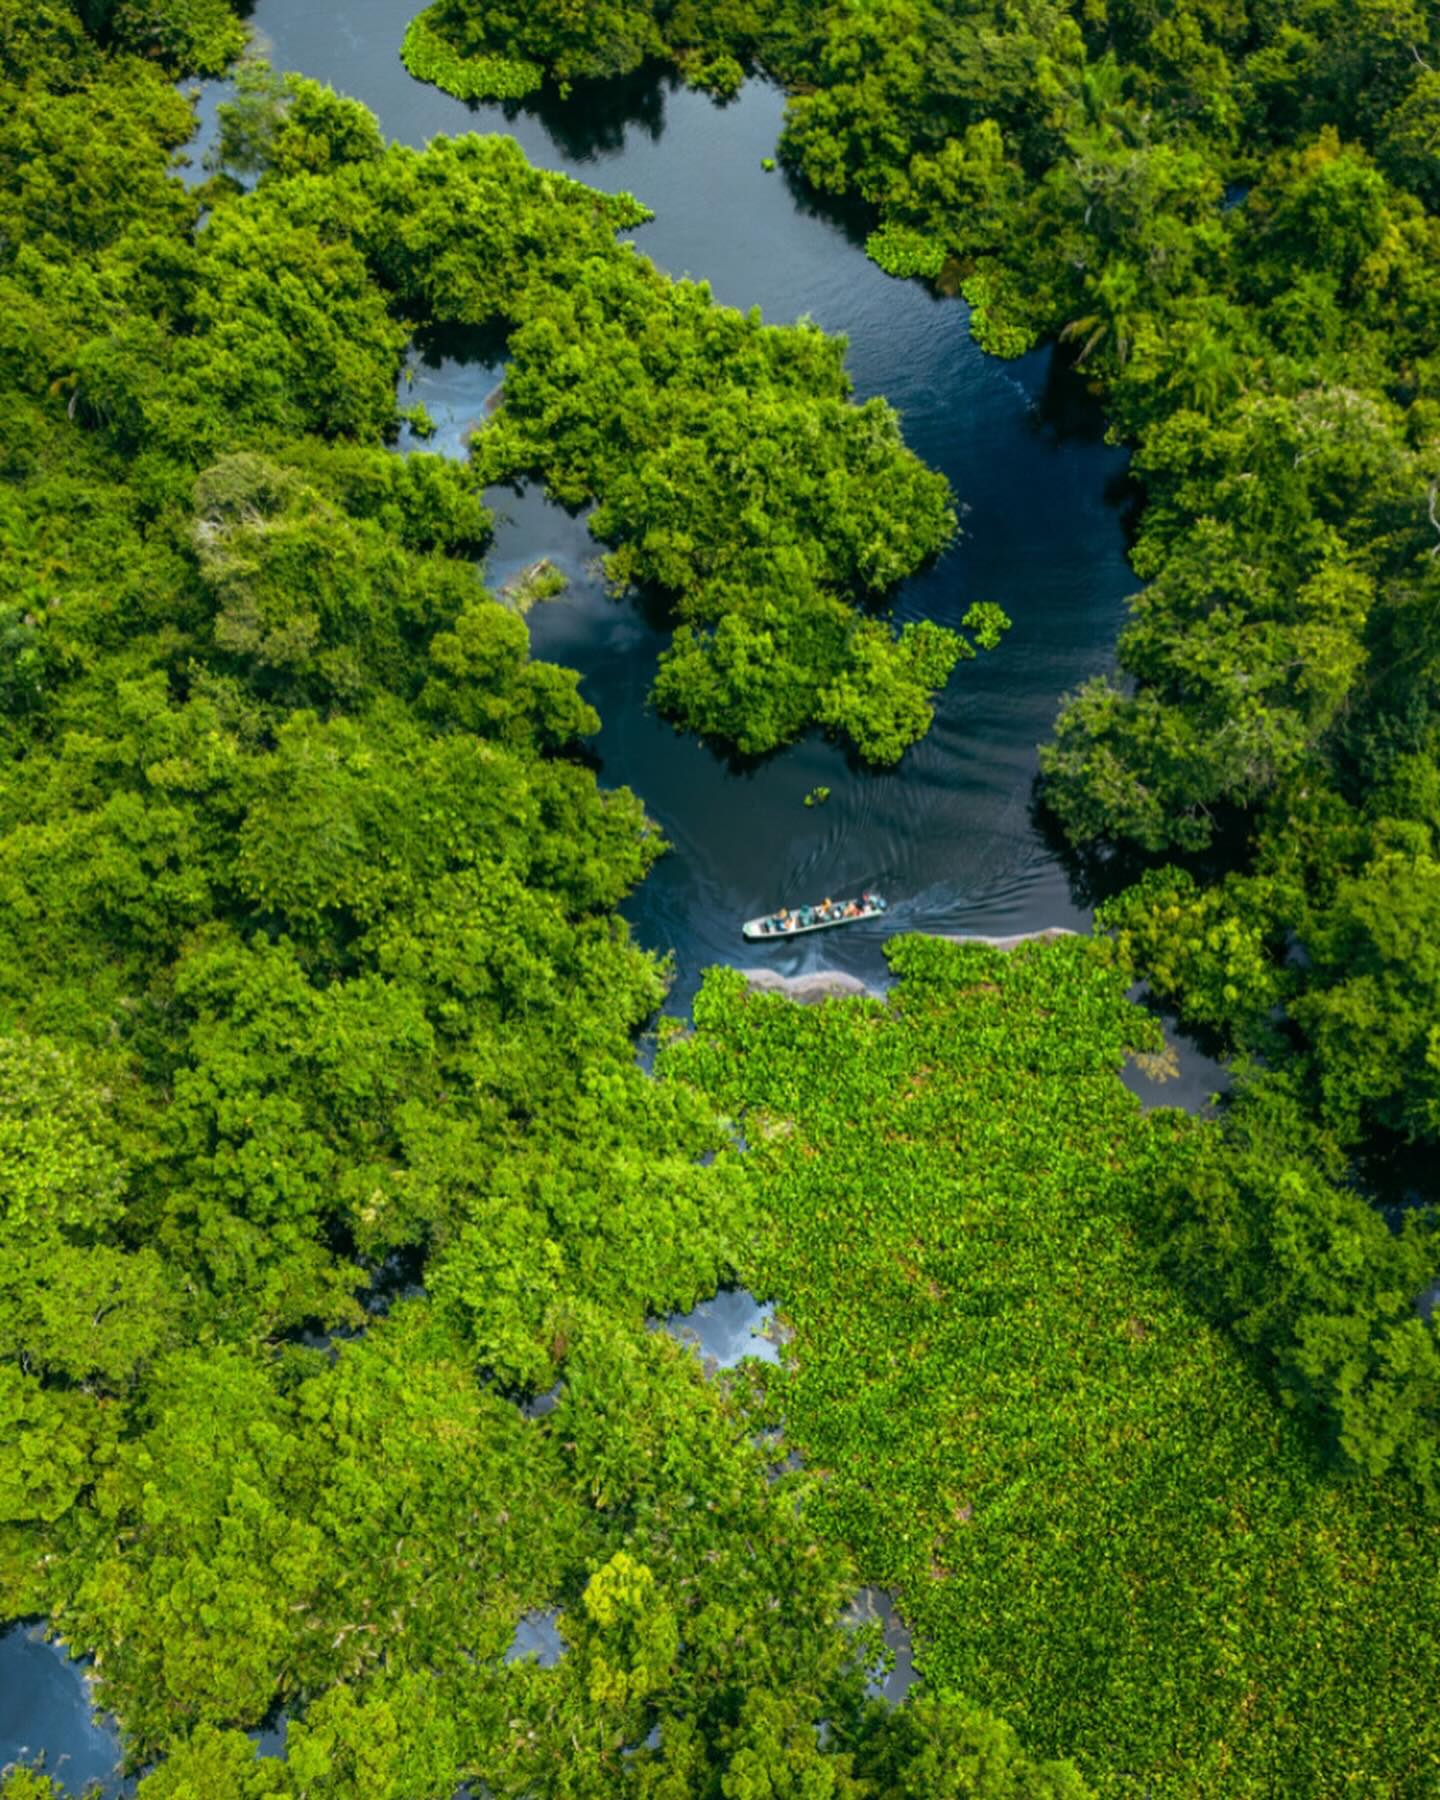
(949, 835)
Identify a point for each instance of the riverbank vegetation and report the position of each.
(310, 975)
(727, 465)
(1229, 215)
(336, 1214)
(1093, 1511)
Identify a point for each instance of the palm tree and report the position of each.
(1114, 314)
(1211, 370)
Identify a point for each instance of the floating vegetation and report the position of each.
(904, 252)
(541, 580)
(417, 417)
(1010, 1417)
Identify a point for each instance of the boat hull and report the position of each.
(763, 931)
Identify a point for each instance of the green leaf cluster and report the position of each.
(429, 57)
(904, 252)
(311, 974)
(1095, 1518)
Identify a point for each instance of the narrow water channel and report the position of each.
(949, 835)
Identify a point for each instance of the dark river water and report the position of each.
(949, 835)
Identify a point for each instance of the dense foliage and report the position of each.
(1097, 1519)
(429, 57)
(203, 36)
(1232, 214)
(311, 978)
(730, 469)
(334, 1207)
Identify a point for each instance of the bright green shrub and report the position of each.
(430, 57)
(902, 251)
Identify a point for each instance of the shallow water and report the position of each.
(877, 1606)
(457, 392)
(948, 835)
(270, 1738)
(727, 1328)
(537, 1635)
(1186, 1075)
(45, 1710)
(540, 1406)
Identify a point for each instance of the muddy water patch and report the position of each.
(811, 987)
(1013, 941)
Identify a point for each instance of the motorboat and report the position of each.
(795, 922)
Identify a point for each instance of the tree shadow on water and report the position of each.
(578, 751)
(595, 118)
(658, 607)
(1099, 870)
(1068, 406)
(855, 219)
(437, 343)
(1397, 1177)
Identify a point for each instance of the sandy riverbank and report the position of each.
(834, 984)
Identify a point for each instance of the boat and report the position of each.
(829, 913)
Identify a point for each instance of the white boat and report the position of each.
(825, 916)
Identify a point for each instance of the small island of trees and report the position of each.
(339, 1220)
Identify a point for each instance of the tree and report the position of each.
(940, 1747)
